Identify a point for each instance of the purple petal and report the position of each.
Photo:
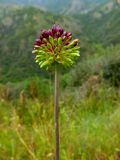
(58, 35)
(44, 34)
(50, 32)
(57, 28)
(68, 34)
(64, 34)
(61, 31)
(38, 42)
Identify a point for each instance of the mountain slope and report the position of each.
(102, 27)
(84, 6)
(19, 26)
(61, 6)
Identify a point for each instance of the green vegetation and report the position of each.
(20, 26)
(90, 98)
(101, 26)
(105, 63)
(89, 128)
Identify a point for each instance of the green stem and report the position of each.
(56, 113)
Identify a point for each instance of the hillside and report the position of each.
(61, 6)
(101, 26)
(19, 26)
(84, 6)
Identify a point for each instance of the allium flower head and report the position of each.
(55, 46)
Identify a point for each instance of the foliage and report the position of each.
(89, 106)
(33, 88)
(112, 73)
(104, 63)
(27, 131)
(104, 28)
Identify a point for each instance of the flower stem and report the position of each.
(56, 113)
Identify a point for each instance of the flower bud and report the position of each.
(57, 28)
(57, 34)
(74, 43)
(55, 46)
(38, 42)
(68, 34)
(45, 34)
(50, 32)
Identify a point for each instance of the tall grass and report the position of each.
(89, 129)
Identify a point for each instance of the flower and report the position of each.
(56, 29)
(55, 46)
(38, 42)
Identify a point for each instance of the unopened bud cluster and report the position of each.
(55, 46)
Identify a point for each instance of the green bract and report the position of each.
(56, 47)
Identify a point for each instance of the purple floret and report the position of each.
(38, 42)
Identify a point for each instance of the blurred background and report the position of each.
(90, 90)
